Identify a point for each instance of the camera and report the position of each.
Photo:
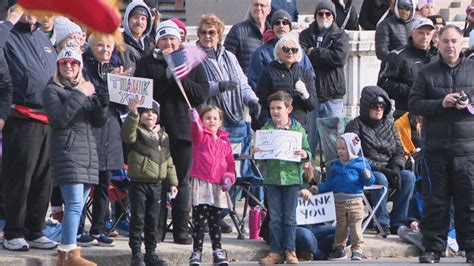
(461, 98)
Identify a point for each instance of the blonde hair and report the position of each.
(213, 21)
(207, 108)
(77, 82)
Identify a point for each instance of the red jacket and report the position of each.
(212, 158)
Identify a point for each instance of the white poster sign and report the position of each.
(124, 88)
(319, 209)
(278, 144)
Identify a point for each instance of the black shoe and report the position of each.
(195, 259)
(430, 257)
(337, 255)
(470, 256)
(225, 228)
(152, 259)
(137, 259)
(220, 257)
(183, 241)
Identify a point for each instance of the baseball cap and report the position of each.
(418, 23)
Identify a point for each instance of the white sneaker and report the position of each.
(16, 244)
(43, 243)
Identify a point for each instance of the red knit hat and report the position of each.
(180, 24)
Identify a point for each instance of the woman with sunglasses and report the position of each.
(72, 111)
(285, 73)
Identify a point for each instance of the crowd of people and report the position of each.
(63, 137)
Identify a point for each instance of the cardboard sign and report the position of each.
(319, 209)
(278, 144)
(124, 88)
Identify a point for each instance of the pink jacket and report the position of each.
(212, 158)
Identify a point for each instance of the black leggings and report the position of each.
(212, 214)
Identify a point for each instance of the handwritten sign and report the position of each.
(124, 88)
(319, 209)
(278, 144)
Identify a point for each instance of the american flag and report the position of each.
(184, 60)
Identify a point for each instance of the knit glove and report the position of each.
(300, 88)
(254, 108)
(393, 177)
(228, 85)
(226, 183)
(193, 115)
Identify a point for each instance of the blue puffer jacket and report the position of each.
(347, 178)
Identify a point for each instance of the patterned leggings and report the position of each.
(212, 214)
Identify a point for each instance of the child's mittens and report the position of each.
(314, 189)
(367, 174)
(193, 114)
(226, 183)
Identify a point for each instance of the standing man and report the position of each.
(26, 178)
(245, 37)
(393, 32)
(441, 93)
(400, 67)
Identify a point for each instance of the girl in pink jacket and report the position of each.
(213, 173)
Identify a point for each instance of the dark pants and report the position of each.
(56, 199)
(212, 214)
(26, 177)
(449, 176)
(181, 152)
(145, 201)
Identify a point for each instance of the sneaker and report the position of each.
(356, 256)
(195, 259)
(86, 241)
(123, 227)
(152, 259)
(16, 244)
(137, 259)
(430, 257)
(470, 256)
(42, 243)
(337, 255)
(220, 257)
(104, 241)
(225, 228)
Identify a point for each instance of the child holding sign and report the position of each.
(282, 182)
(347, 178)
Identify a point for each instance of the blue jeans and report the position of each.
(74, 197)
(330, 108)
(401, 199)
(327, 108)
(282, 201)
(316, 239)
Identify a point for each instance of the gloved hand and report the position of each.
(254, 108)
(226, 183)
(101, 99)
(300, 88)
(193, 114)
(393, 177)
(168, 73)
(228, 85)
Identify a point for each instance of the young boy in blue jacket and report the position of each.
(347, 178)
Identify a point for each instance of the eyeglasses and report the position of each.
(288, 49)
(406, 8)
(322, 14)
(211, 33)
(281, 22)
(72, 62)
(377, 106)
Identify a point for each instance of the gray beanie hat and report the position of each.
(63, 27)
(280, 14)
(326, 5)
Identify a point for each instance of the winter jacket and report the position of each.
(341, 13)
(109, 142)
(445, 130)
(392, 33)
(212, 158)
(399, 70)
(347, 178)
(328, 60)
(277, 76)
(31, 59)
(173, 107)
(5, 88)
(222, 65)
(136, 48)
(263, 56)
(371, 13)
(72, 116)
(285, 173)
(149, 158)
(243, 39)
(380, 142)
(287, 5)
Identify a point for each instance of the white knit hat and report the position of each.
(63, 27)
(71, 50)
(167, 27)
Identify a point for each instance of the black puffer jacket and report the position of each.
(328, 60)
(73, 147)
(277, 76)
(341, 13)
(5, 88)
(380, 141)
(371, 13)
(173, 107)
(399, 70)
(445, 130)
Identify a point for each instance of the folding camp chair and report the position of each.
(328, 129)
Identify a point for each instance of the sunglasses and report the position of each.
(322, 14)
(288, 49)
(377, 106)
(281, 22)
(211, 33)
(70, 61)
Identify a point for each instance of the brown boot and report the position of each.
(73, 258)
(61, 257)
(272, 258)
(291, 257)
